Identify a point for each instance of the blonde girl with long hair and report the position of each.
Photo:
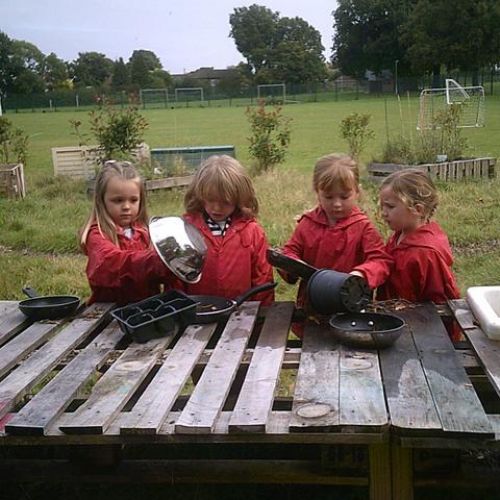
(221, 203)
(122, 265)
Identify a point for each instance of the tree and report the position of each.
(55, 72)
(367, 35)
(143, 66)
(277, 49)
(92, 69)
(26, 64)
(457, 34)
(121, 75)
(5, 65)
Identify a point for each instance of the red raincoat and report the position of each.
(351, 244)
(126, 273)
(235, 262)
(422, 270)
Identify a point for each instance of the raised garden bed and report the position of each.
(447, 171)
(12, 181)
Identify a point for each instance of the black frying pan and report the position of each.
(212, 308)
(49, 306)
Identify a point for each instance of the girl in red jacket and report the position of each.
(420, 248)
(221, 203)
(336, 234)
(122, 265)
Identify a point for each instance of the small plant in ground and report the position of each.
(270, 136)
(13, 143)
(354, 129)
(118, 131)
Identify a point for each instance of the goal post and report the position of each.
(434, 101)
(153, 98)
(272, 93)
(189, 94)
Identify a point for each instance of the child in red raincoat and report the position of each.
(336, 234)
(421, 251)
(221, 203)
(122, 265)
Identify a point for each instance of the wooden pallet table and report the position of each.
(238, 402)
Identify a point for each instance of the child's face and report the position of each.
(338, 202)
(218, 210)
(396, 214)
(122, 200)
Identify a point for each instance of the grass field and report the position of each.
(38, 234)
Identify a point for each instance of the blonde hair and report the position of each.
(413, 187)
(222, 178)
(336, 170)
(99, 215)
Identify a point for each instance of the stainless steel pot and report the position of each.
(180, 246)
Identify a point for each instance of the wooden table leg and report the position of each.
(402, 472)
(380, 471)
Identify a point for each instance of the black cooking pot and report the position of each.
(330, 291)
(212, 308)
(47, 307)
(366, 330)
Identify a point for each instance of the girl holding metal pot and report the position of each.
(221, 203)
(336, 234)
(122, 265)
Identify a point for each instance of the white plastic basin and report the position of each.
(484, 302)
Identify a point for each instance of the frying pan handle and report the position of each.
(256, 289)
(30, 292)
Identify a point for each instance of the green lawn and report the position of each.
(38, 234)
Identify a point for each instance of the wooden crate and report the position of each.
(12, 181)
(475, 168)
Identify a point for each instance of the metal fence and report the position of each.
(343, 88)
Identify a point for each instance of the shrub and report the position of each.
(270, 136)
(13, 143)
(354, 129)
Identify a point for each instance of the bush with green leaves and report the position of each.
(13, 143)
(270, 136)
(354, 129)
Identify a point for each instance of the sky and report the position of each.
(184, 34)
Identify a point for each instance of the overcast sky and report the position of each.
(184, 34)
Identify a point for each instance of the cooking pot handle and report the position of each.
(256, 289)
(30, 292)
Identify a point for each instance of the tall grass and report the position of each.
(38, 234)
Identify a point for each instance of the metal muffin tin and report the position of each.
(156, 316)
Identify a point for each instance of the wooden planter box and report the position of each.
(80, 162)
(12, 181)
(445, 171)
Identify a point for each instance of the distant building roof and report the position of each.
(207, 74)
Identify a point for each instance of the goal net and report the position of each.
(469, 100)
(272, 93)
(189, 94)
(154, 98)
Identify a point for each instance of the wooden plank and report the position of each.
(456, 402)
(487, 350)
(41, 362)
(316, 397)
(402, 472)
(115, 388)
(409, 399)
(361, 391)
(168, 182)
(31, 338)
(380, 472)
(256, 397)
(48, 404)
(205, 404)
(152, 408)
(12, 321)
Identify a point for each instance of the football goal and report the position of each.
(470, 101)
(272, 93)
(189, 94)
(154, 98)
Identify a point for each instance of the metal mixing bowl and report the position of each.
(180, 246)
